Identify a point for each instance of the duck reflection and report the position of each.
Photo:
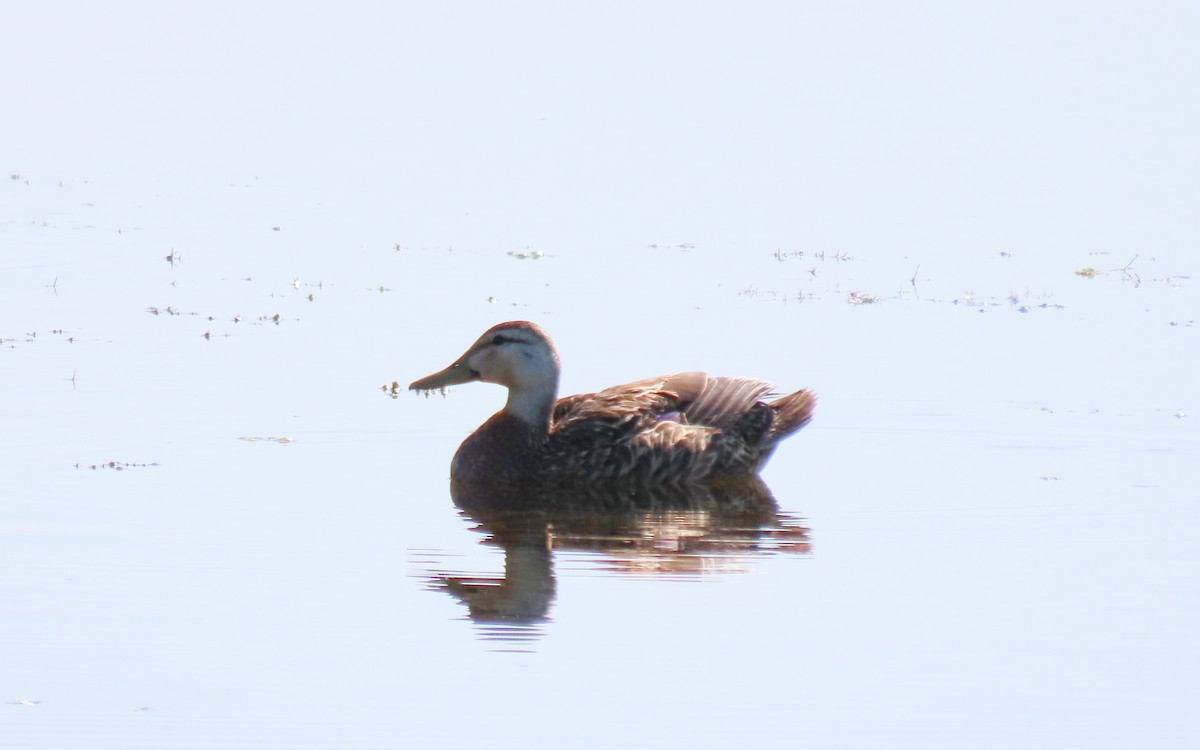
(635, 529)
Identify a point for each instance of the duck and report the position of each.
(680, 429)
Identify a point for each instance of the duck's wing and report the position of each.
(724, 401)
(680, 426)
(631, 403)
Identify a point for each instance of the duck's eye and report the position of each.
(501, 339)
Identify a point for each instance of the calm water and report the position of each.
(972, 233)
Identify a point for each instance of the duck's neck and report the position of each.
(533, 403)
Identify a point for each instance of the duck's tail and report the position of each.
(792, 412)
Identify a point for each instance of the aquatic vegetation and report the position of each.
(527, 255)
(394, 390)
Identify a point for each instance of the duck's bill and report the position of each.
(455, 374)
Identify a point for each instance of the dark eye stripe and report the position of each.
(500, 339)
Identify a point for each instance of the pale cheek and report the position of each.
(525, 369)
(495, 369)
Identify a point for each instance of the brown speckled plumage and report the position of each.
(680, 428)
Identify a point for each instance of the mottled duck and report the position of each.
(682, 428)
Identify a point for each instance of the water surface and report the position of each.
(970, 232)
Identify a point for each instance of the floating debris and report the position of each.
(1086, 272)
(168, 310)
(275, 318)
(268, 439)
(862, 298)
(116, 465)
(22, 701)
(782, 255)
(839, 257)
(530, 255)
(1127, 272)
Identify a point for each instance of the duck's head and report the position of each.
(517, 355)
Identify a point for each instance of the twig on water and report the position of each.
(1137, 280)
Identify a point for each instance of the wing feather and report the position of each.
(724, 400)
(657, 427)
